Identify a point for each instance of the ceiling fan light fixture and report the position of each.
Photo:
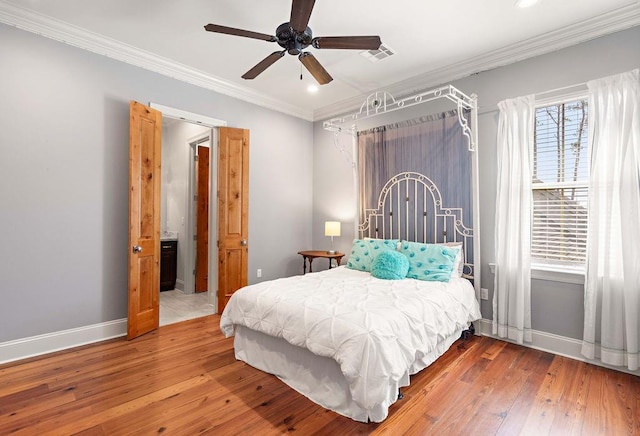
(294, 36)
(525, 3)
(312, 89)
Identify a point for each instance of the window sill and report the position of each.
(554, 274)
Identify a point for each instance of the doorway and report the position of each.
(146, 215)
(188, 211)
(198, 212)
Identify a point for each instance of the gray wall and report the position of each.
(64, 177)
(557, 308)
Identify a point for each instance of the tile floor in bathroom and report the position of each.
(176, 306)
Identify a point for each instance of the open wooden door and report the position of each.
(145, 140)
(233, 212)
(202, 219)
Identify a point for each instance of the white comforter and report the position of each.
(375, 329)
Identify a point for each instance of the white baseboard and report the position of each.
(560, 345)
(180, 285)
(62, 340)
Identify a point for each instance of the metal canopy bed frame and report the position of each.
(447, 223)
(273, 334)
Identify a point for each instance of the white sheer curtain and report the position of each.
(612, 284)
(512, 288)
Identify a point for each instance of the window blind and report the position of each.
(560, 184)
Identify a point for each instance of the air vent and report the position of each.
(377, 55)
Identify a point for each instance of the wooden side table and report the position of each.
(308, 256)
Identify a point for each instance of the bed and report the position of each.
(345, 339)
(349, 340)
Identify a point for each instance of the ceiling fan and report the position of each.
(294, 36)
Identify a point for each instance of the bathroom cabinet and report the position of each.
(168, 265)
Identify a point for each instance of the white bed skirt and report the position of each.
(319, 378)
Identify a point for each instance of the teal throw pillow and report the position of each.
(429, 262)
(390, 265)
(364, 251)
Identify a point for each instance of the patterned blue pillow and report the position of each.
(364, 251)
(390, 265)
(429, 262)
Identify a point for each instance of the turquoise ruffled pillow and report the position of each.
(364, 251)
(429, 262)
(390, 265)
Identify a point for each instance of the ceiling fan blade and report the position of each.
(317, 71)
(239, 32)
(263, 65)
(347, 42)
(300, 14)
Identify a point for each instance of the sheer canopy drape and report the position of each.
(433, 146)
(512, 287)
(612, 283)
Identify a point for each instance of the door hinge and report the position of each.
(194, 272)
(195, 237)
(195, 158)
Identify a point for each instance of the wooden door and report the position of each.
(202, 219)
(233, 212)
(145, 140)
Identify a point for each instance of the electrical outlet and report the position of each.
(259, 273)
(484, 293)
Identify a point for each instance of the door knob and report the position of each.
(243, 242)
(137, 249)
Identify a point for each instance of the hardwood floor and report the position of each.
(183, 379)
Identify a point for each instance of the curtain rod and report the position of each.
(564, 88)
(482, 110)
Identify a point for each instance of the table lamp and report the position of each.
(331, 228)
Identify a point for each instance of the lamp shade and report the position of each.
(332, 228)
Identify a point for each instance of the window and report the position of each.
(560, 184)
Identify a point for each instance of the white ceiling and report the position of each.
(434, 41)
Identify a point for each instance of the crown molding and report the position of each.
(31, 21)
(614, 21)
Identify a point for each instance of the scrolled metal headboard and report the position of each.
(410, 208)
